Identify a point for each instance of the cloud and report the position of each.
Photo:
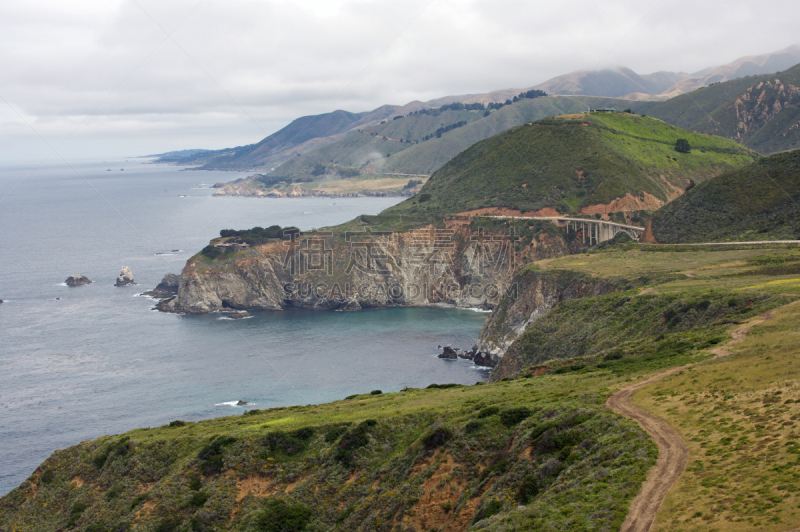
(156, 76)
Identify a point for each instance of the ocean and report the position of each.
(78, 363)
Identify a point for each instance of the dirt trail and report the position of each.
(673, 454)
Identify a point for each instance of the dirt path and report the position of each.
(673, 454)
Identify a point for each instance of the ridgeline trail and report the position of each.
(673, 454)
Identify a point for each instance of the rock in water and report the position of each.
(167, 288)
(241, 403)
(125, 277)
(240, 315)
(484, 359)
(77, 280)
(448, 352)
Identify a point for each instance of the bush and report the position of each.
(493, 507)
(528, 489)
(437, 438)
(210, 457)
(76, 513)
(47, 476)
(513, 416)
(375, 392)
(289, 443)
(177, 423)
(198, 499)
(488, 411)
(211, 252)
(279, 516)
(353, 440)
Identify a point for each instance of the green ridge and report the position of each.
(571, 162)
(758, 202)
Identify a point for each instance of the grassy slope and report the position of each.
(617, 153)
(718, 110)
(739, 418)
(757, 202)
(571, 462)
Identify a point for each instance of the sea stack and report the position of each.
(77, 280)
(125, 277)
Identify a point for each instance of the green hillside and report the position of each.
(572, 162)
(761, 112)
(757, 202)
(427, 157)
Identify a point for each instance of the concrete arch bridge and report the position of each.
(591, 231)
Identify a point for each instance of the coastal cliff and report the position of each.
(354, 270)
(534, 293)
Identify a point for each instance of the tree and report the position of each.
(682, 146)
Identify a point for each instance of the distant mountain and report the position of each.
(756, 202)
(615, 83)
(761, 112)
(304, 134)
(421, 143)
(584, 164)
(623, 82)
(753, 65)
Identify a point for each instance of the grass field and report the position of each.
(739, 416)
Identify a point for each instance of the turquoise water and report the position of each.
(100, 361)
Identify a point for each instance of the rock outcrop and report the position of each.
(240, 315)
(77, 280)
(428, 267)
(125, 277)
(448, 352)
(533, 293)
(167, 288)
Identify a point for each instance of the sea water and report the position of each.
(78, 363)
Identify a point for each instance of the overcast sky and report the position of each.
(110, 78)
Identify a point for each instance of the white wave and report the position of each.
(62, 284)
(234, 404)
(234, 319)
(475, 309)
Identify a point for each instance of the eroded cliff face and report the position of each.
(532, 294)
(425, 267)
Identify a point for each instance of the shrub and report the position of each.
(198, 499)
(289, 443)
(47, 476)
(513, 416)
(177, 423)
(446, 506)
(491, 508)
(488, 411)
(352, 441)
(195, 482)
(211, 252)
(334, 432)
(375, 392)
(279, 516)
(76, 513)
(528, 489)
(437, 438)
(119, 448)
(210, 457)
